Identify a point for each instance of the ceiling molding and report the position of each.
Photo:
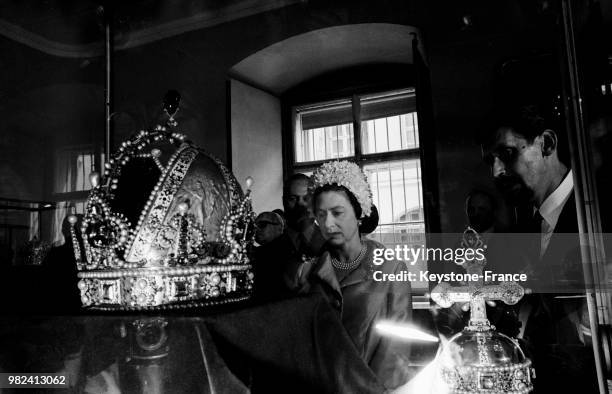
(145, 36)
(38, 42)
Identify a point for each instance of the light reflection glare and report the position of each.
(403, 331)
(425, 382)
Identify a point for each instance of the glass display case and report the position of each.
(482, 128)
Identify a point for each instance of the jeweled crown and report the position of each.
(189, 245)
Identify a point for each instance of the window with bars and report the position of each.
(380, 133)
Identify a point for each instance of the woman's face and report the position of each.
(336, 217)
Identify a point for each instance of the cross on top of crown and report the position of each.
(445, 295)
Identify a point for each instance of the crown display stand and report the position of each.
(480, 359)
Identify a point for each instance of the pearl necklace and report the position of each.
(351, 264)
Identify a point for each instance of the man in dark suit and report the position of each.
(277, 263)
(530, 166)
(532, 171)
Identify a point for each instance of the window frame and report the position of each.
(359, 157)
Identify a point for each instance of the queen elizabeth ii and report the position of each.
(343, 208)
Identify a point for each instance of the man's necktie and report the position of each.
(534, 227)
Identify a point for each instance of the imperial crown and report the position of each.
(189, 245)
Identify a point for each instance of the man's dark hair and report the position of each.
(528, 121)
(295, 177)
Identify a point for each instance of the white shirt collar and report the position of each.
(553, 204)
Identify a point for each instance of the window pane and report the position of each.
(389, 122)
(72, 169)
(324, 131)
(397, 193)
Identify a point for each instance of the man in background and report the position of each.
(268, 227)
(533, 173)
(530, 166)
(277, 262)
(302, 232)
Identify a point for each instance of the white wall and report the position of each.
(256, 144)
